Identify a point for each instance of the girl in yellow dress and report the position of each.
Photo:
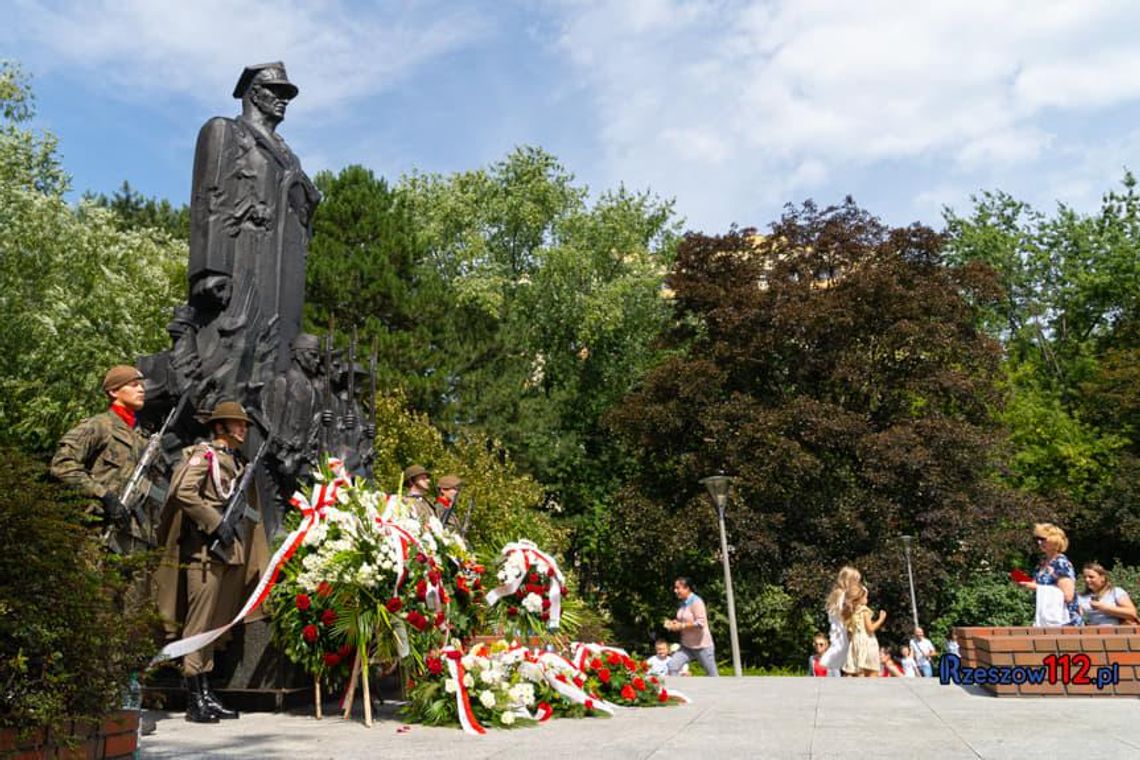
(863, 654)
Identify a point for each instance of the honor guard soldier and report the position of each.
(418, 482)
(445, 505)
(99, 455)
(199, 490)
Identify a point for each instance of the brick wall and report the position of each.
(1104, 646)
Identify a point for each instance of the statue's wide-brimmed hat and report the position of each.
(414, 472)
(306, 342)
(118, 376)
(228, 410)
(266, 73)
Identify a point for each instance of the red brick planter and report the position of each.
(1104, 646)
(116, 737)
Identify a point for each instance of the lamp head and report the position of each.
(718, 486)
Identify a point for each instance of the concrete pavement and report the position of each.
(729, 718)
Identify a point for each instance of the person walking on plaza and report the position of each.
(418, 496)
(1102, 602)
(692, 624)
(863, 654)
(924, 652)
(98, 456)
(199, 489)
(1055, 580)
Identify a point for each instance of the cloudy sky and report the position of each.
(733, 108)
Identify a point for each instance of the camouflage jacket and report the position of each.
(98, 455)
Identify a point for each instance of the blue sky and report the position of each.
(732, 108)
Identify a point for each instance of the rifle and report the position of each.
(153, 444)
(350, 413)
(467, 516)
(327, 413)
(237, 506)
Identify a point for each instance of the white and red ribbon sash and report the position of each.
(453, 658)
(556, 668)
(583, 651)
(313, 511)
(532, 555)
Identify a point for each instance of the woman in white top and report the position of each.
(1103, 603)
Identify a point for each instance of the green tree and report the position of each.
(556, 303)
(835, 367)
(133, 210)
(79, 294)
(1068, 316)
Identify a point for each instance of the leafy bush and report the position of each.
(66, 646)
(986, 598)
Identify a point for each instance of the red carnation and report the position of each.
(663, 696)
(328, 617)
(653, 680)
(545, 616)
(532, 578)
(434, 575)
(545, 604)
(604, 675)
(303, 602)
(533, 589)
(434, 665)
(394, 604)
(344, 651)
(478, 583)
(629, 663)
(627, 693)
(638, 684)
(332, 659)
(512, 611)
(324, 589)
(550, 572)
(613, 658)
(479, 569)
(596, 663)
(417, 620)
(589, 704)
(310, 633)
(440, 619)
(520, 593)
(421, 557)
(443, 597)
(421, 589)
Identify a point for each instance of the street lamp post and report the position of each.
(910, 576)
(718, 486)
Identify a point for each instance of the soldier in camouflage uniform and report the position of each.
(99, 454)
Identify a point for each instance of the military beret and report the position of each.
(118, 376)
(449, 481)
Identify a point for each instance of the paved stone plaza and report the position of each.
(729, 718)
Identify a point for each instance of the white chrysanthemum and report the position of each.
(468, 661)
(468, 681)
(451, 686)
(531, 672)
(532, 603)
(507, 718)
(435, 525)
(522, 694)
(487, 698)
(487, 676)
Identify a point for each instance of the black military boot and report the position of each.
(212, 701)
(197, 709)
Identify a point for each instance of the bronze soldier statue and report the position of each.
(213, 589)
(292, 405)
(99, 455)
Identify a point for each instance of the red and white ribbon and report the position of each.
(584, 651)
(324, 495)
(556, 669)
(453, 657)
(532, 556)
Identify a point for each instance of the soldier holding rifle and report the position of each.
(202, 490)
(99, 457)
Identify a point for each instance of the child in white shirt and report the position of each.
(909, 666)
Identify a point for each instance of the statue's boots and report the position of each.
(197, 710)
(212, 701)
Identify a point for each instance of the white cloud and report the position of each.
(335, 54)
(731, 104)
